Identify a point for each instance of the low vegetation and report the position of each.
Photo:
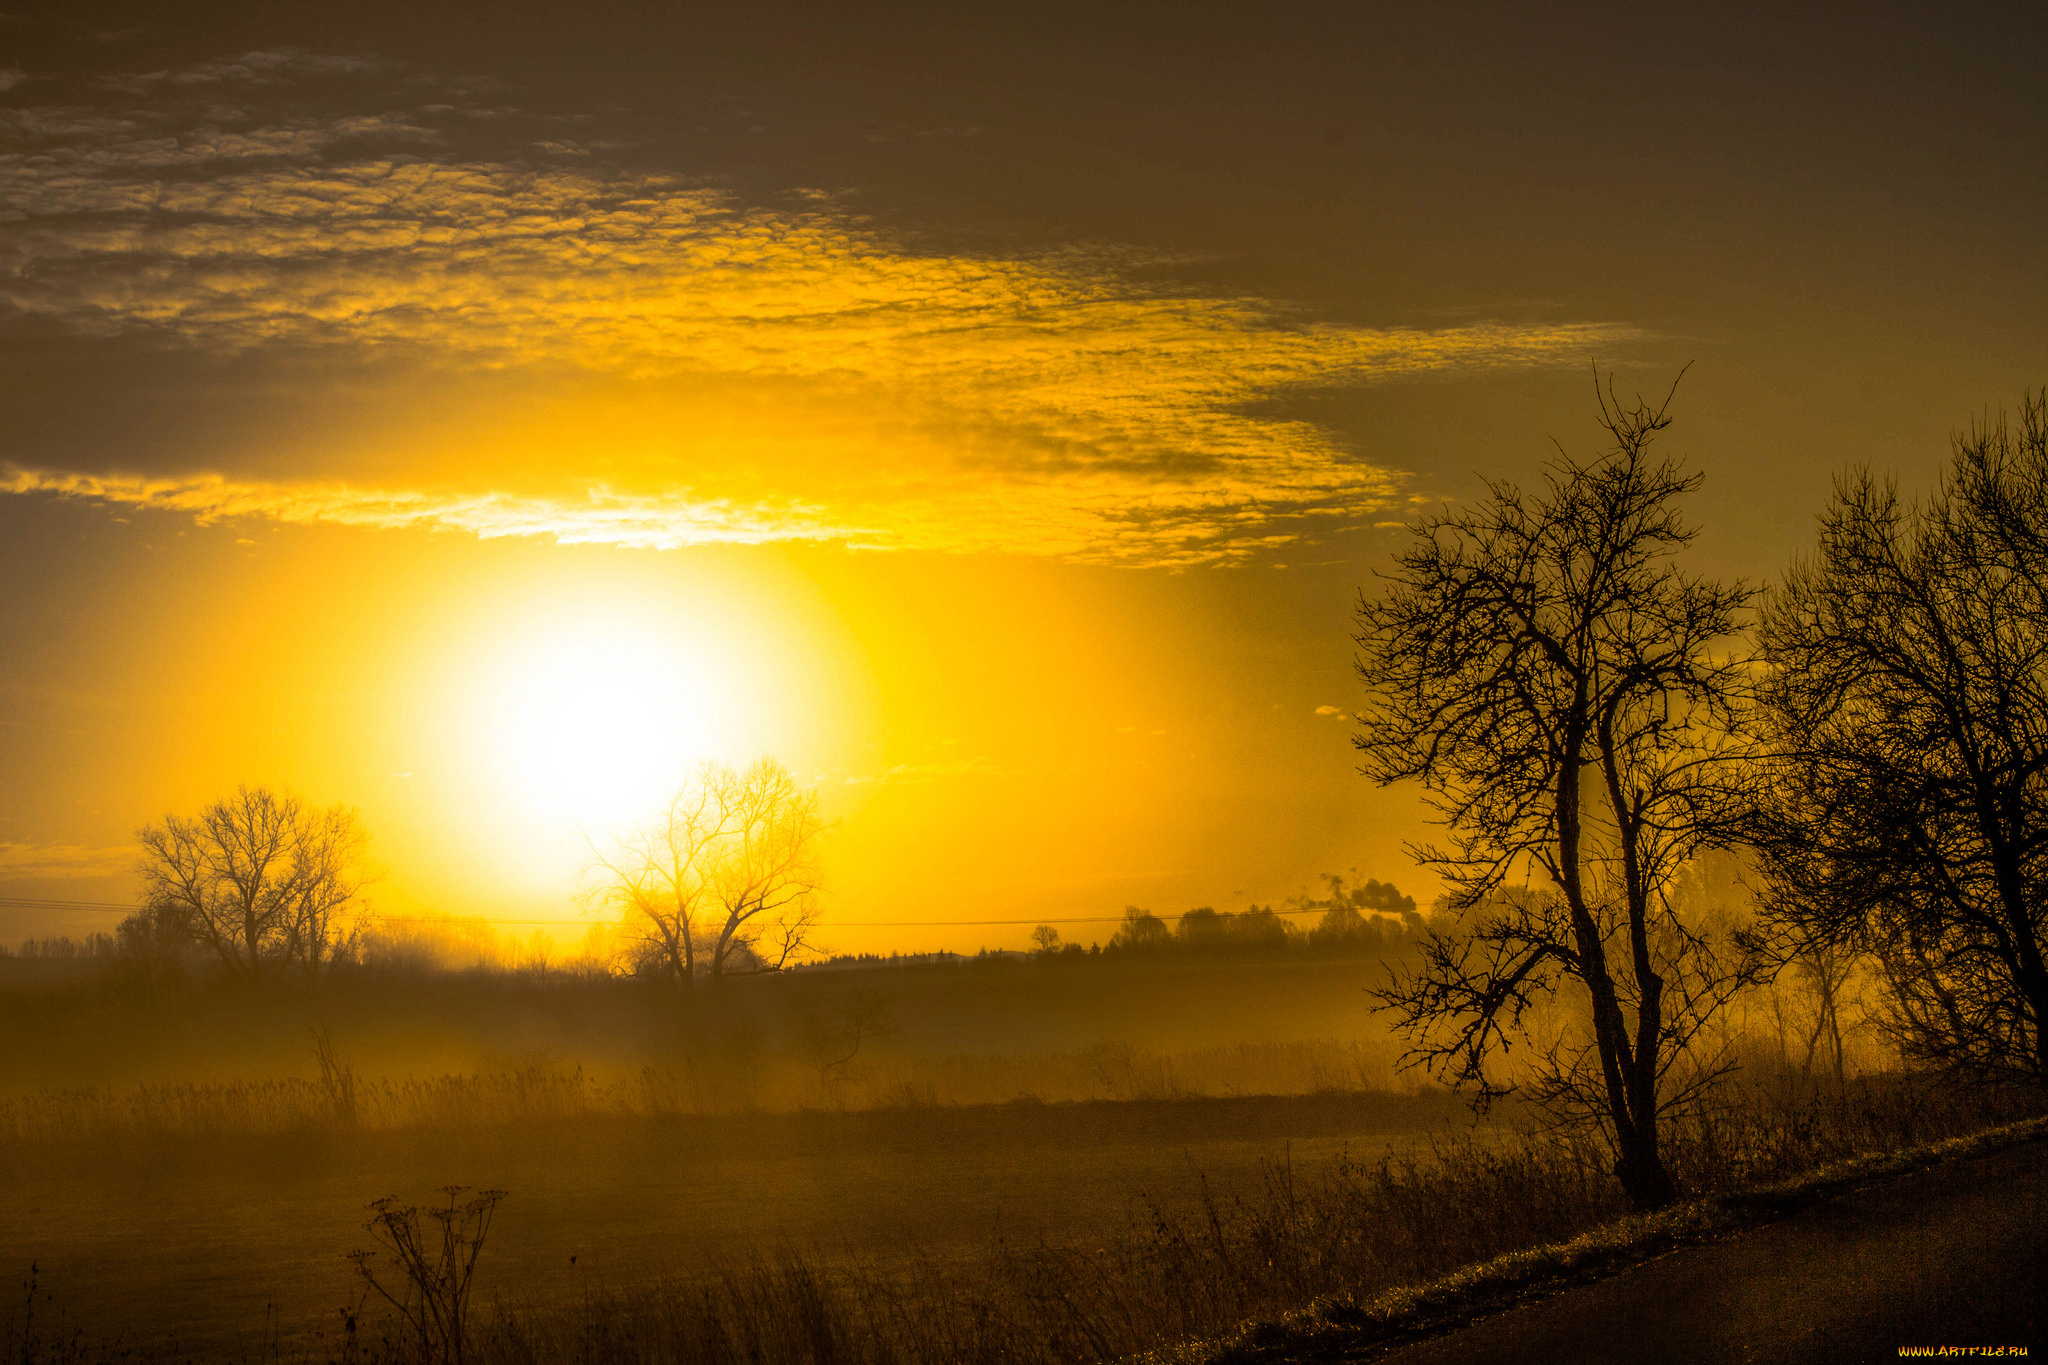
(401, 1072)
(1186, 1264)
(548, 1089)
(1349, 1230)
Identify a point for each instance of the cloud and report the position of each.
(1052, 403)
(55, 862)
(601, 517)
(916, 774)
(277, 67)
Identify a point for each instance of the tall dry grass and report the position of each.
(1185, 1262)
(1201, 1263)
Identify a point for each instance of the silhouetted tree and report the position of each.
(1820, 971)
(1909, 694)
(1340, 922)
(1341, 928)
(831, 1035)
(724, 880)
(1360, 917)
(764, 872)
(1257, 930)
(1551, 678)
(152, 951)
(1203, 930)
(1141, 931)
(658, 875)
(259, 878)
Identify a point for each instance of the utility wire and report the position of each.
(39, 903)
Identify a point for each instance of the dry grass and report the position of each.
(1346, 1233)
(718, 1083)
(1194, 1263)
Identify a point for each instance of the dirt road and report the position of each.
(1953, 1256)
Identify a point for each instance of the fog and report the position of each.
(194, 1158)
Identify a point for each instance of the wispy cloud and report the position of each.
(276, 67)
(601, 517)
(917, 774)
(1045, 404)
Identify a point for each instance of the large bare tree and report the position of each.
(1909, 695)
(725, 879)
(765, 877)
(261, 879)
(1558, 687)
(659, 874)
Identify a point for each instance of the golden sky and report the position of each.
(478, 417)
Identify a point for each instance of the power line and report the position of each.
(115, 907)
(39, 903)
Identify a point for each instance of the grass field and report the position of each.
(438, 1023)
(214, 1238)
(1023, 1162)
(1038, 1233)
(547, 1088)
(190, 1169)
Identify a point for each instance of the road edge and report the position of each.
(1338, 1326)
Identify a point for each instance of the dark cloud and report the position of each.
(1061, 402)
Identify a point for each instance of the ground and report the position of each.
(1955, 1255)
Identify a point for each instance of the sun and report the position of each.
(594, 721)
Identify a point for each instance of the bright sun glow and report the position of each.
(596, 722)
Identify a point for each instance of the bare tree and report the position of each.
(326, 879)
(831, 1035)
(1909, 698)
(154, 950)
(1823, 971)
(1552, 679)
(261, 879)
(1142, 931)
(658, 874)
(724, 881)
(764, 872)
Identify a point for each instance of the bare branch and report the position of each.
(1568, 700)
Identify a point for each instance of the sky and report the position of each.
(480, 414)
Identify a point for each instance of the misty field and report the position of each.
(1000, 1159)
(1032, 1232)
(194, 1169)
(213, 1238)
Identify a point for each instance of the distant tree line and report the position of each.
(1369, 919)
(63, 948)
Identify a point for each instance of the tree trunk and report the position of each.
(1640, 1168)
